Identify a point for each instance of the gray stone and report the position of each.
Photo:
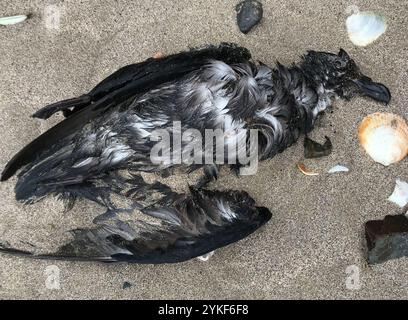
(387, 239)
(249, 14)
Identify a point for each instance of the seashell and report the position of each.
(338, 168)
(400, 194)
(306, 171)
(365, 27)
(384, 136)
(159, 55)
(5, 21)
(206, 256)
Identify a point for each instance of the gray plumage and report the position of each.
(107, 144)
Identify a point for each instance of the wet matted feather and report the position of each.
(102, 149)
(202, 222)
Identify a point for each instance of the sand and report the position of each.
(316, 233)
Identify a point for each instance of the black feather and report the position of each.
(100, 151)
(118, 87)
(201, 227)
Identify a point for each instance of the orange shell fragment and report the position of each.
(306, 171)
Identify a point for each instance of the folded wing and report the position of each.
(186, 227)
(116, 89)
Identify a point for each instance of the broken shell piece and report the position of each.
(339, 168)
(384, 136)
(400, 194)
(365, 27)
(159, 55)
(206, 256)
(6, 21)
(305, 171)
(314, 149)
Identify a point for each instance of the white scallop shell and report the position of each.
(384, 136)
(365, 27)
(5, 21)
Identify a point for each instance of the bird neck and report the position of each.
(308, 89)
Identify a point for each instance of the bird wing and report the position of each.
(189, 226)
(117, 88)
(152, 72)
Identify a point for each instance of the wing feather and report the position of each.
(117, 88)
(191, 226)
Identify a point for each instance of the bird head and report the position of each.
(340, 74)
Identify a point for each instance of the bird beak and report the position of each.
(374, 90)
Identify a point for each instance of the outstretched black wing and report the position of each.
(188, 226)
(117, 88)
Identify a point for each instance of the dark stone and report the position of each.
(249, 13)
(126, 285)
(314, 149)
(387, 239)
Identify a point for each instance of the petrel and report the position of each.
(102, 150)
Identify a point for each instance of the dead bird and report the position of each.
(104, 145)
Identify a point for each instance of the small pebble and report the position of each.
(126, 285)
(249, 14)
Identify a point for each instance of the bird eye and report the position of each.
(339, 64)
